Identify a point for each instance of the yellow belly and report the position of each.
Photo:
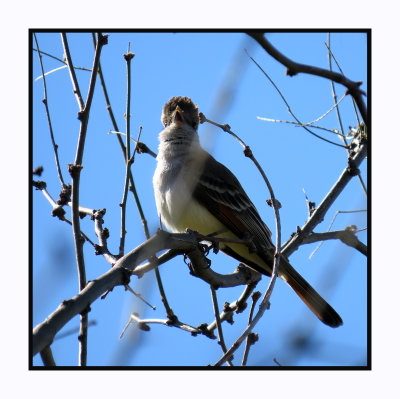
(193, 215)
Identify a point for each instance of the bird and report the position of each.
(194, 191)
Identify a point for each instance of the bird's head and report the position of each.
(180, 110)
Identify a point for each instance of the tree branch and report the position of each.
(355, 159)
(128, 58)
(347, 236)
(75, 171)
(47, 357)
(290, 110)
(45, 102)
(240, 304)
(221, 339)
(44, 333)
(294, 68)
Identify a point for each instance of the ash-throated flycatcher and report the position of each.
(193, 190)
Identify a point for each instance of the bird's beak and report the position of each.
(178, 118)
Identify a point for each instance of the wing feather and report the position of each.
(223, 195)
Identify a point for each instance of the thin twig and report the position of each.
(347, 236)
(221, 340)
(169, 311)
(294, 68)
(334, 90)
(335, 105)
(243, 336)
(125, 194)
(51, 56)
(164, 300)
(333, 131)
(141, 148)
(341, 71)
(138, 295)
(71, 69)
(143, 325)
(330, 56)
(289, 109)
(51, 71)
(60, 60)
(240, 304)
(128, 57)
(250, 341)
(132, 187)
(318, 215)
(330, 226)
(58, 210)
(82, 233)
(45, 102)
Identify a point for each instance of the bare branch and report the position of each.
(140, 296)
(123, 149)
(294, 68)
(75, 171)
(45, 102)
(332, 131)
(330, 226)
(47, 357)
(250, 340)
(58, 210)
(58, 59)
(143, 325)
(43, 334)
(335, 105)
(347, 236)
(102, 235)
(290, 110)
(221, 340)
(330, 56)
(128, 57)
(71, 69)
(242, 337)
(355, 159)
(240, 304)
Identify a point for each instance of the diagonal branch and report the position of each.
(289, 108)
(294, 68)
(186, 243)
(347, 236)
(221, 339)
(71, 69)
(355, 159)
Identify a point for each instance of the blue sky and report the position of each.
(202, 66)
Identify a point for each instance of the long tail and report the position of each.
(308, 295)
